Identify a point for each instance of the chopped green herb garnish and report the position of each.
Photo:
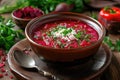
(35, 36)
(70, 30)
(78, 35)
(48, 33)
(87, 37)
(67, 31)
(61, 27)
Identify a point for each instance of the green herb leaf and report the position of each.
(117, 45)
(107, 8)
(8, 36)
(94, 15)
(10, 24)
(78, 35)
(65, 32)
(109, 42)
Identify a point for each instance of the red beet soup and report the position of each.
(65, 34)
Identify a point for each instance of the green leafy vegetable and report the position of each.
(5, 8)
(46, 5)
(94, 15)
(115, 46)
(8, 36)
(50, 5)
(109, 42)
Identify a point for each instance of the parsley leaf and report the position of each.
(8, 35)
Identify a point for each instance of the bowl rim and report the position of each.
(65, 49)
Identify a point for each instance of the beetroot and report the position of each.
(1, 75)
(2, 65)
(3, 70)
(6, 74)
(1, 52)
(3, 58)
(28, 12)
(63, 7)
(11, 77)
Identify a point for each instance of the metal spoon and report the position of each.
(26, 61)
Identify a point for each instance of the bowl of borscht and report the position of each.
(64, 36)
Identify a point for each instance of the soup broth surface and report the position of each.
(65, 34)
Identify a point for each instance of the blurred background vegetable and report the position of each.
(114, 46)
(8, 35)
(46, 5)
(63, 7)
(8, 5)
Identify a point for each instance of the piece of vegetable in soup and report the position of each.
(65, 34)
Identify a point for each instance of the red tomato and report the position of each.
(110, 13)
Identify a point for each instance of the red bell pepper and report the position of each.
(110, 19)
(111, 14)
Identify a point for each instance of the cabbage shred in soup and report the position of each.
(65, 34)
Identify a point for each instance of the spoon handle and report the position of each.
(46, 74)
